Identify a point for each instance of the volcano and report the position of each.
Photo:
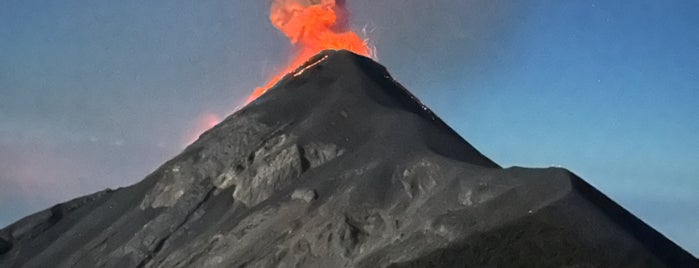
(338, 165)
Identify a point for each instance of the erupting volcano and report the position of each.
(312, 26)
(339, 166)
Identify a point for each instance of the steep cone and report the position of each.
(339, 166)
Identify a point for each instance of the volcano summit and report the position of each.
(339, 166)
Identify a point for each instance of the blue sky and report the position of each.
(97, 94)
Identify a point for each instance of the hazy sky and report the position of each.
(97, 94)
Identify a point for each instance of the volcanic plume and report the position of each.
(312, 26)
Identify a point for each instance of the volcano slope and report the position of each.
(339, 166)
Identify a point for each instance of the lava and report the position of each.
(312, 26)
(203, 123)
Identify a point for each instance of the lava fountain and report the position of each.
(312, 26)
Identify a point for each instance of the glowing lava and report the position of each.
(312, 26)
(203, 123)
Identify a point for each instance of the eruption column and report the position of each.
(311, 26)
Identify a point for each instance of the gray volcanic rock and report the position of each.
(339, 166)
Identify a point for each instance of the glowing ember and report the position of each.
(204, 122)
(312, 26)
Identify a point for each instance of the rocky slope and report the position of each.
(339, 166)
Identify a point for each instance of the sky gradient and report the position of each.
(97, 94)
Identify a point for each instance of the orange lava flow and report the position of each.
(311, 26)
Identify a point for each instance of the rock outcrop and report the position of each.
(339, 166)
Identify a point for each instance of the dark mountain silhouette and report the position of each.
(339, 166)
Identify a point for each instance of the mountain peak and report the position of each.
(343, 91)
